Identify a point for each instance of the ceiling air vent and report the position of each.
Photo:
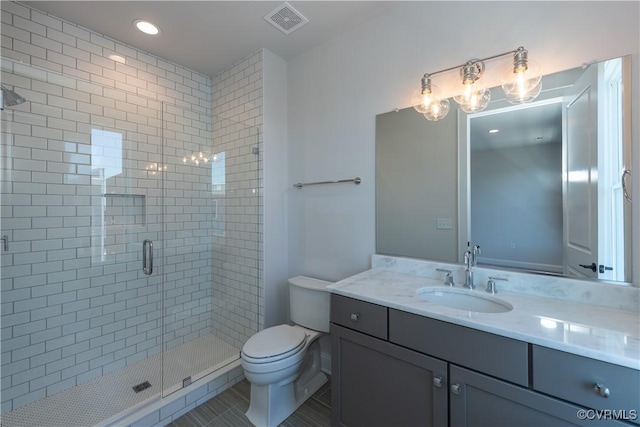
(286, 18)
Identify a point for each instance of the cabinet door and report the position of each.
(375, 383)
(479, 400)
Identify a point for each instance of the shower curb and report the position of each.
(158, 412)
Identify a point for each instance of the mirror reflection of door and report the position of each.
(595, 162)
(581, 190)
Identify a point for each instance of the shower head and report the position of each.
(10, 98)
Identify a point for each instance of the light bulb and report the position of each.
(522, 81)
(437, 111)
(423, 101)
(474, 98)
(427, 96)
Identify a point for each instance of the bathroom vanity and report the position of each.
(398, 359)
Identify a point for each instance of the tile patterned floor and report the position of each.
(228, 408)
(103, 399)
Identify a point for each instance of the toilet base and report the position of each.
(272, 404)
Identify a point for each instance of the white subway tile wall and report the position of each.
(97, 160)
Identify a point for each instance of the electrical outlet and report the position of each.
(444, 224)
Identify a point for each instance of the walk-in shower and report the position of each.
(131, 261)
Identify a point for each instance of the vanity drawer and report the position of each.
(370, 319)
(500, 357)
(573, 378)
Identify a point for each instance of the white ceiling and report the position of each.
(210, 36)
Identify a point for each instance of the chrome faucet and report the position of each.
(470, 258)
(468, 272)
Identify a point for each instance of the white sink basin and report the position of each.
(464, 300)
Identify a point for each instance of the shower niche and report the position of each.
(122, 211)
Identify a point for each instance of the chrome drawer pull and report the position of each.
(601, 390)
(354, 316)
(437, 382)
(455, 389)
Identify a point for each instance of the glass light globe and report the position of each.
(437, 111)
(522, 84)
(475, 98)
(422, 102)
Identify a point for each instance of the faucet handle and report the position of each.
(448, 279)
(491, 284)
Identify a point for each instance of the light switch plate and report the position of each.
(444, 224)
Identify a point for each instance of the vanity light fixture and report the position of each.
(522, 82)
(146, 27)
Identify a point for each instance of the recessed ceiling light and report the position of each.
(146, 27)
(494, 130)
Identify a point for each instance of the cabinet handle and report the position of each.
(355, 316)
(437, 382)
(456, 389)
(601, 390)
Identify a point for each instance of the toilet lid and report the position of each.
(274, 341)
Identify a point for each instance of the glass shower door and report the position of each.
(211, 243)
(79, 198)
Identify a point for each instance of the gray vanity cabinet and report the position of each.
(376, 383)
(477, 400)
(402, 369)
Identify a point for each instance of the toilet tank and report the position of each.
(309, 303)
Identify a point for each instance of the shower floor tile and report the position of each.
(105, 397)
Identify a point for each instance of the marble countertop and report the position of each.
(603, 333)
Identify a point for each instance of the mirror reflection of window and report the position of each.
(218, 189)
(218, 173)
(106, 153)
(106, 163)
(611, 237)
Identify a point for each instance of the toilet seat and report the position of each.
(273, 344)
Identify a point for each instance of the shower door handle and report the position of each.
(147, 248)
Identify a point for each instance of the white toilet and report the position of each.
(282, 363)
